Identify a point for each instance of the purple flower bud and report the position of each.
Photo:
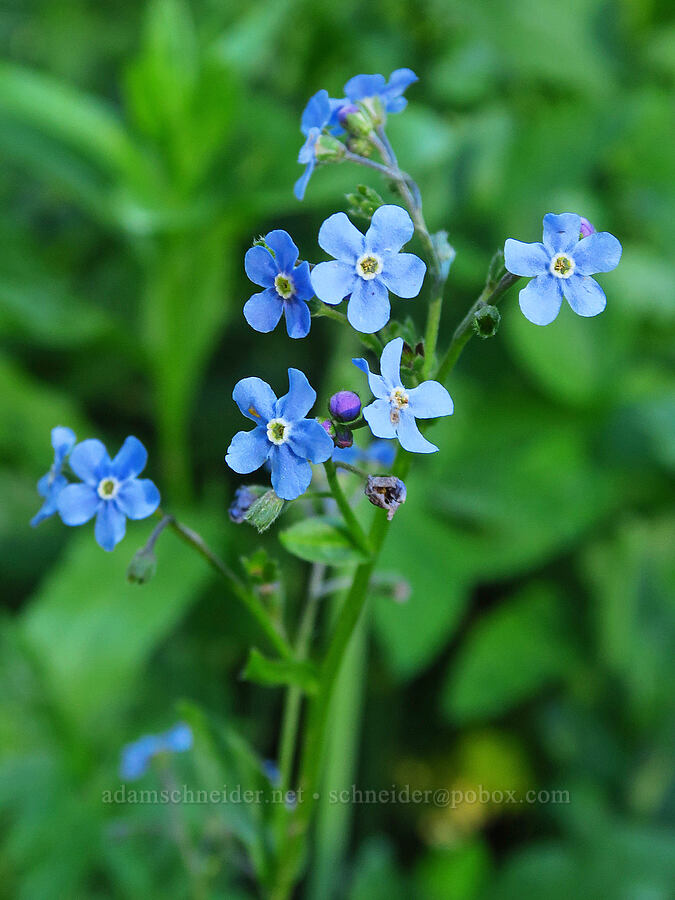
(343, 437)
(328, 427)
(348, 109)
(244, 498)
(345, 406)
(385, 491)
(586, 227)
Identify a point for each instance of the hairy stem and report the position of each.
(357, 532)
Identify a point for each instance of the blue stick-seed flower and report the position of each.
(283, 435)
(396, 408)
(366, 267)
(110, 489)
(287, 286)
(137, 756)
(390, 93)
(561, 266)
(52, 483)
(320, 113)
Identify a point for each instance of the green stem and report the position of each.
(327, 312)
(357, 532)
(348, 467)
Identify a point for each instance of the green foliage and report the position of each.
(274, 672)
(321, 540)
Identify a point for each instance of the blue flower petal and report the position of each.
(89, 460)
(138, 498)
(179, 738)
(390, 228)
(49, 487)
(333, 280)
(302, 282)
(584, 295)
(361, 86)
(291, 475)
(403, 274)
(300, 185)
(77, 503)
(285, 251)
(63, 441)
(255, 399)
(390, 363)
(248, 450)
(260, 266)
(599, 252)
(316, 113)
(308, 440)
(369, 308)
(410, 437)
(300, 398)
(262, 311)
(561, 233)
(136, 757)
(526, 259)
(376, 382)
(540, 300)
(399, 81)
(339, 237)
(111, 525)
(130, 460)
(298, 318)
(378, 417)
(429, 400)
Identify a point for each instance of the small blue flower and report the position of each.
(287, 286)
(283, 435)
(368, 267)
(136, 757)
(321, 112)
(394, 411)
(379, 453)
(244, 498)
(562, 266)
(110, 489)
(50, 485)
(390, 93)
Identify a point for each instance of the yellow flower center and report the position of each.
(562, 266)
(108, 488)
(368, 266)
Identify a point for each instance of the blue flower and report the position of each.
(110, 489)
(379, 453)
(562, 266)
(287, 286)
(136, 757)
(394, 411)
(50, 485)
(321, 112)
(390, 93)
(368, 267)
(244, 498)
(282, 434)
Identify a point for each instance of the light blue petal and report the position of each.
(260, 266)
(255, 399)
(285, 251)
(89, 460)
(339, 237)
(369, 308)
(298, 318)
(599, 252)
(361, 86)
(63, 441)
(333, 280)
(308, 440)
(179, 738)
(111, 525)
(584, 294)
(300, 185)
(248, 450)
(50, 488)
(316, 113)
(302, 282)
(395, 104)
(262, 311)
(376, 382)
(390, 364)
(136, 757)
(291, 475)
(138, 498)
(45, 483)
(378, 417)
(390, 228)
(399, 81)
(410, 437)
(561, 233)
(77, 503)
(540, 300)
(526, 259)
(300, 398)
(131, 459)
(403, 274)
(430, 400)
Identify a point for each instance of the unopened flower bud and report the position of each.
(361, 146)
(328, 148)
(345, 406)
(265, 511)
(486, 321)
(355, 120)
(586, 228)
(343, 437)
(328, 427)
(244, 498)
(496, 269)
(142, 567)
(445, 252)
(385, 491)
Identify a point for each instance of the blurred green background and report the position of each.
(142, 147)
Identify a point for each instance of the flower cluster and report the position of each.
(136, 757)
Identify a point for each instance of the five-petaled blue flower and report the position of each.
(136, 757)
(368, 267)
(50, 485)
(562, 266)
(287, 286)
(283, 435)
(394, 411)
(390, 93)
(110, 489)
(320, 112)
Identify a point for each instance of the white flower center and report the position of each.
(278, 431)
(562, 266)
(368, 266)
(108, 488)
(284, 286)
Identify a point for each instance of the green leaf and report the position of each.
(322, 540)
(275, 672)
